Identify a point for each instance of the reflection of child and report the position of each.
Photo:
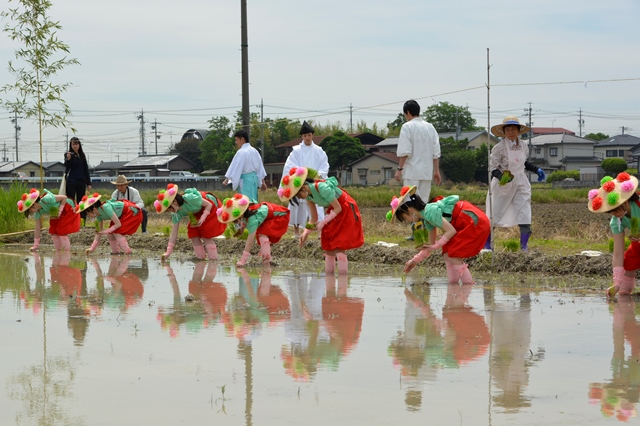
(203, 226)
(341, 229)
(265, 222)
(125, 219)
(618, 197)
(64, 220)
(465, 227)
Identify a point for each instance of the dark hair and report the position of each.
(242, 134)
(95, 205)
(26, 212)
(179, 199)
(514, 125)
(414, 201)
(248, 212)
(411, 107)
(80, 151)
(309, 181)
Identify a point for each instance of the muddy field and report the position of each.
(550, 221)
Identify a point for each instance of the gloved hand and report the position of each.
(109, 230)
(203, 217)
(36, 244)
(423, 254)
(304, 236)
(167, 253)
(618, 273)
(328, 218)
(541, 175)
(244, 258)
(496, 174)
(94, 244)
(442, 241)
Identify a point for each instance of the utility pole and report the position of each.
(17, 128)
(154, 127)
(580, 121)
(261, 129)
(457, 127)
(246, 117)
(351, 116)
(141, 118)
(623, 129)
(4, 153)
(530, 124)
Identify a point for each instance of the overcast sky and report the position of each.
(180, 61)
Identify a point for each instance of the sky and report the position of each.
(180, 63)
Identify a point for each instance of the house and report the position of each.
(475, 138)
(13, 168)
(561, 151)
(550, 130)
(108, 168)
(53, 168)
(376, 168)
(619, 146)
(157, 165)
(368, 140)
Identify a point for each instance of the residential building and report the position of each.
(619, 146)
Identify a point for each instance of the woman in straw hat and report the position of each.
(465, 228)
(618, 198)
(63, 221)
(125, 219)
(203, 226)
(510, 202)
(265, 222)
(341, 228)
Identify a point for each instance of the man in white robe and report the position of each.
(306, 154)
(246, 172)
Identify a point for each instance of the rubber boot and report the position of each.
(452, 275)
(56, 241)
(265, 249)
(343, 264)
(464, 274)
(199, 251)
(329, 264)
(487, 244)
(115, 249)
(524, 242)
(212, 250)
(65, 244)
(122, 242)
(627, 285)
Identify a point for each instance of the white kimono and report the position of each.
(313, 157)
(246, 161)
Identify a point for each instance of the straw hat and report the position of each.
(290, 184)
(405, 192)
(87, 201)
(613, 192)
(232, 208)
(27, 200)
(498, 129)
(121, 180)
(165, 198)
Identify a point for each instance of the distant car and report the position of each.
(95, 177)
(181, 175)
(19, 176)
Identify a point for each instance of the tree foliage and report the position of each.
(613, 166)
(393, 127)
(342, 150)
(218, 148)
(190, 149)
(40, 52)
(596, 136)
(457, 162)
(445, 115)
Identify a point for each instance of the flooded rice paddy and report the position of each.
(118, 340)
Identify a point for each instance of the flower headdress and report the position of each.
(405, 192)
(27, 200)
(613, 192)
(291, 184)
(86, 202)
(165, 198)
(233, 208)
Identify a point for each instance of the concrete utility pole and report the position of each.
(154, 127)
(580, 121)
(17, 128)
(141, 118)
(530, 124)
(246, 118)
(351, 117)
(623, 129)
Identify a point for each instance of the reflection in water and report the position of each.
(511, 356)
(429, 343)
(322, 329)
(619, 396)
(203, 307)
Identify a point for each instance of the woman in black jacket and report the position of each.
(77, 171)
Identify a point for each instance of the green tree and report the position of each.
(218, 148)
(342, 150)
(40, 49)
(189, 148)
(393, 127)
(613, 166)
(444, 117)
(596, 136)
(482, 164)
(459, 166)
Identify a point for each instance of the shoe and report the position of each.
(410, 238)
(144, 232)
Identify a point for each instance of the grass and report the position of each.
(10, 219)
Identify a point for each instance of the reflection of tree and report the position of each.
(43, 389)
(429, 343)
(322, 329)
(619, 396)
